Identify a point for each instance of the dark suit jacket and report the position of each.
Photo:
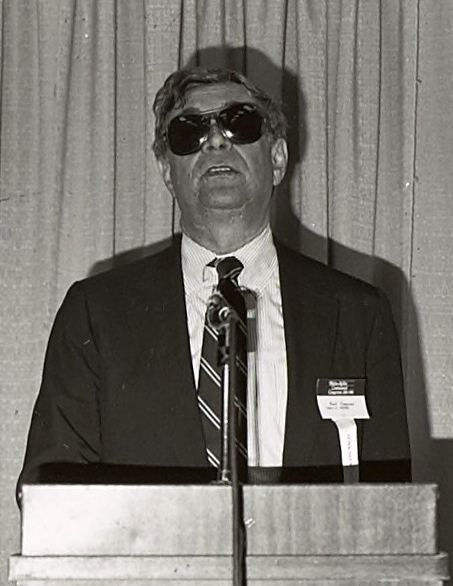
(118, 385)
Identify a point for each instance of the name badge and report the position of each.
(341, 398)
(343, 401)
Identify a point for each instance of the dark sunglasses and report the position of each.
(241, 123)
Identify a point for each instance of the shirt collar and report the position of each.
(258, 256)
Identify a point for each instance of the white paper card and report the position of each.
(340, 407)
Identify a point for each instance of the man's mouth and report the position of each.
(219, 170)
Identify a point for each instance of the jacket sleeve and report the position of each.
(65, 424)
(385, 439)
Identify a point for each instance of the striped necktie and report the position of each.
(210, 389)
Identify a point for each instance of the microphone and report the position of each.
(218, 311)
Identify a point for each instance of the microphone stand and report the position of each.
(227, 341)
(224, 319)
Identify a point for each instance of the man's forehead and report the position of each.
(212, 96)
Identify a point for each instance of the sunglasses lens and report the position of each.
(241, 123)
(185, 134)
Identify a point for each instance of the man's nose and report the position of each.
(216, 138)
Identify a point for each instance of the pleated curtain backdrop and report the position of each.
(368, 189)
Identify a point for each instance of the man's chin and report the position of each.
(222, 200)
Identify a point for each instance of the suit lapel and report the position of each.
(157, 313)
(310, 327)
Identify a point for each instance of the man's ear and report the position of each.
(279, 154)
(165, 170)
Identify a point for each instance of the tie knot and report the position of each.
(228, 268)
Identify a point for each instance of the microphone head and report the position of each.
(218, 311)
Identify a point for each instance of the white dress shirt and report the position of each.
(267, 404)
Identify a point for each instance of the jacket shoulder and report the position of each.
(132, 274)
(324, 280)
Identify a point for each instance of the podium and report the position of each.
(178, 535)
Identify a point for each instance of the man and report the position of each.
(121, 371)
